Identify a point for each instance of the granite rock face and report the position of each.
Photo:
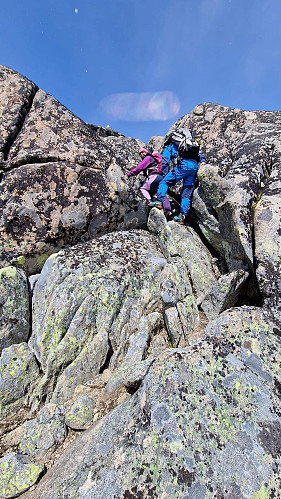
(267, 228)
(204, 423)
(244, 147)
(223, 294)
(64, 180)
(185, 242)
(14, 307)
(104, 298)
(52, 133)
(140, 358)
(17, 93)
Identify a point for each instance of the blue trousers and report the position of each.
(170, 153)
(185, 171)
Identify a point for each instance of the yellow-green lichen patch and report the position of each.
(261, 494)
(42, 259)
(20, 260)
(44, 433)
(18, 371)
(8, 272)
(17, 474)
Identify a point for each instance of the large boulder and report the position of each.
(243, 147)
(224, 293)
(156, 143)
(53, 133)
(103, 301)
(64, 180)
(46, 206)
(205, 199)
(177, 240)
(80, 414)
(204, 423)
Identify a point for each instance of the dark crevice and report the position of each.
(271, 162)
(278, 387)
(156, 330)
(20, 122)
(31, 160)
(41, 372)
(255, 263)
(108, 357)
(100, 131)
(275, 329)
(262, 188)
(43, 400)
(133, 387)
(30, 293)
(256, 298)
(175, 201)
(249, 293)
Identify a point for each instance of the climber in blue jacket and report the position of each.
(183, 169)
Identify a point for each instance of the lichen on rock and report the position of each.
(44, 433)
(14, 307)
(18, 474)
(162, 341)
(199, 424)
(18, 374)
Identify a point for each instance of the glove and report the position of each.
(129, 174)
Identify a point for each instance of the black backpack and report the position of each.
(188, 147)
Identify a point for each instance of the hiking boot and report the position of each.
(180, 219)
(156, 204)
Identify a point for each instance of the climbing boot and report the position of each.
(180, 219)
(156, 204)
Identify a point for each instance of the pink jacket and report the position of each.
(145, 165)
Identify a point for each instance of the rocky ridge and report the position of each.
(139, 358)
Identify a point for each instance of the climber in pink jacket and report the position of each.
(151, 165)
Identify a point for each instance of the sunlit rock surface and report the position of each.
(140, 358)
(204, 422)
(64, 180)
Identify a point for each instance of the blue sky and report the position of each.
(138, 65)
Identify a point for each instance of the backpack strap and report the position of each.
(151, 155)
(152, 166)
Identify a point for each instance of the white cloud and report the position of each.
(142, 106)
